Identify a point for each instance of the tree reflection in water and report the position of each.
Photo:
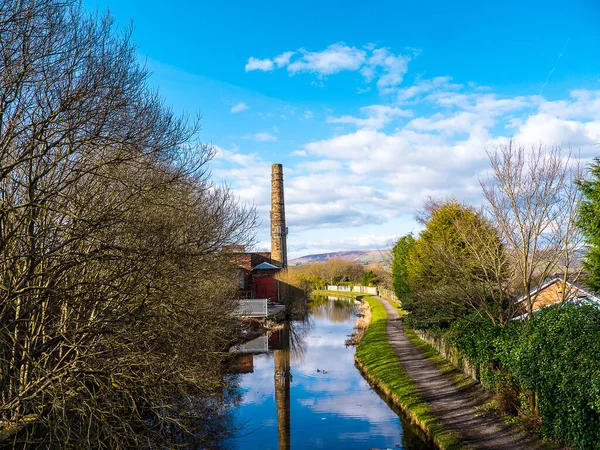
(335, 309)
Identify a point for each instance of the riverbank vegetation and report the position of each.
(113, 276)
(473, 277)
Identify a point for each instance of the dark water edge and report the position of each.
(303, 390)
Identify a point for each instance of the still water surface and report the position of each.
(305, 391)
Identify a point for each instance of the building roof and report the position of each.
(552, 292)
(265, 266)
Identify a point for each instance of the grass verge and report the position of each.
(379, 364)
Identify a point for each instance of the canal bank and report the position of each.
(445, 413)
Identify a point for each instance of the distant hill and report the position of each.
(360, 256)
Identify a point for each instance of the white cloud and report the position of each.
(377, 117)
(306, 216)
(264, 65)
(393, 67)
(323, 165)
(335, 58)
(283, 59)
(427, 86)
(348, 146)
(263, 136)
(584, 104)
(550, 129)
(239, 107)
(371, 62)
(349, 188)
(365, 242)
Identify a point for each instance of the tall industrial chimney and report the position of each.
(278, 228)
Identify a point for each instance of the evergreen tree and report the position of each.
(399, 278)
(456, 267)
(589, 222)
(369, 279)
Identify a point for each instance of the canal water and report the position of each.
(301, 389)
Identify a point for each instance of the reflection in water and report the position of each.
(306, 393)
(334, 310)
(282, 387)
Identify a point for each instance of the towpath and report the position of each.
(455, 409)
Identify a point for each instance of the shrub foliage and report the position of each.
(551, 363)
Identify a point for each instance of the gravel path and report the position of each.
(455, 409)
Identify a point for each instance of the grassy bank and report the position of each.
(378, 362)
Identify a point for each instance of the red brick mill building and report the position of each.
(256, 274)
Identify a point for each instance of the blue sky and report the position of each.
(370, 106)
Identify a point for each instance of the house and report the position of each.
(556, 290)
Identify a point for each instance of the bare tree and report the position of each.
(387, 253)
(113, 289)
(533, 200)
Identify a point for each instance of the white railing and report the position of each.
(338, 288)
(385, 293)
(366, 289)
(356, 288)
(254, 307)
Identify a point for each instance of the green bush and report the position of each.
(556, 355)
(485, 345)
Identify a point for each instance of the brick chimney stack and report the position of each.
(278, 228)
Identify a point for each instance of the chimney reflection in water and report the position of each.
(282, 386)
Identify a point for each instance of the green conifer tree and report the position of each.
(399, 276)
(589, 222)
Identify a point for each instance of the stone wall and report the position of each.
(450, 353)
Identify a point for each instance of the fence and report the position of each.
(255, 307)
(365, 289)
(385, 293)
(356, 288)
(338, 288)
(388, 295)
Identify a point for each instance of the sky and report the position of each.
(371, 107)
